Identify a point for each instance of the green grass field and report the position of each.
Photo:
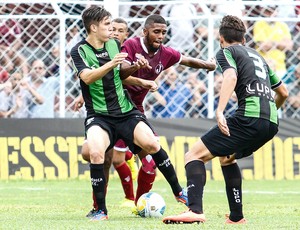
(63, 205)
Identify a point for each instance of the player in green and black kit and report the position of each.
(110, 113)
(254, 123)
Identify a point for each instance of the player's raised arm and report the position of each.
(198, 63)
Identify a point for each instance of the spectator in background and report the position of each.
(4, 74)
(73, 35)
(5, 100)
(23, 96)
(46, 87)
(10, 43)
(181, 32)
(292, 81)
(198, 103)
(172, 96)
(273, 39)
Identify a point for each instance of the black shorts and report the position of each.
(247, 135)
(119, 127)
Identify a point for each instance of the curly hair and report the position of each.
(232, 29)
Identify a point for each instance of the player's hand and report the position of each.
(141, 62)
(148, 84)
(118, 59)
(78, 103)
(212, 65)
(222, 124)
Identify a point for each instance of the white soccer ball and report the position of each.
(151, 204)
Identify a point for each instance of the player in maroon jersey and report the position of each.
(159, 58)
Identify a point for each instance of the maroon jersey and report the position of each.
(162, 59)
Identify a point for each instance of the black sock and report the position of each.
(196, 179)
(98, 183)
(233, 181)
(164, 165)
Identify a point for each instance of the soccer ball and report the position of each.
(151, 204)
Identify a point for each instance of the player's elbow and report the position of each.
(123, 75)
(87, 79)
(285, 95)
(283, 92)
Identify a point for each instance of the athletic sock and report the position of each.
(94, 198)
(233, 181)
(164, 165)
(98, 184)
(126, 180)
(196, 179)
(145, 183)
(128, 155)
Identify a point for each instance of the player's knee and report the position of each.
(118, 158)
(96, 157)
(85, 153)
(228, 160)
(148, 165)
(152, 146)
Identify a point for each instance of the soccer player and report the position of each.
(254, 123)
(111, 115)
(119, 154)
(160, 57)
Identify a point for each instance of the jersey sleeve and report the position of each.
(129, 47)
(78, 57)
(225, 60)
(173, 55)
(274, 79)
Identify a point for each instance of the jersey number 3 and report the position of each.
(259, 66)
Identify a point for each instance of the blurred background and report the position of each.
(41, 134)
(36, 38)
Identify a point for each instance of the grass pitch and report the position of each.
(64, 204)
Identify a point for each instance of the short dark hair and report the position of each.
(120, 20)
(232, 29)
(154, 18)
(93, 14)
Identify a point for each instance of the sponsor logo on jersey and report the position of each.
(102, 55)
(259, 89)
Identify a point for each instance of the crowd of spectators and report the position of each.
(29, 84)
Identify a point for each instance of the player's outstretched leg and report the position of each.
(196, 179)
(165, 166)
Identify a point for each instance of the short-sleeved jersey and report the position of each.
(105, 96)
(254, 82)
(162, 59)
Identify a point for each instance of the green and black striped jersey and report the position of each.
(105, 96)
(254, 82)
